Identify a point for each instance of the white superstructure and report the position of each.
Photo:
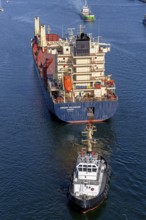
(83, 58)
(88, 175)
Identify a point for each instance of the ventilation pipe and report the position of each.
(37, 26)
(43, 36)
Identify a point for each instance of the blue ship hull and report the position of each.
(77, 112)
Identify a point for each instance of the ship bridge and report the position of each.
(87, 171)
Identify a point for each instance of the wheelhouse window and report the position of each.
(94, 169)
(80, 168)
(85, 168)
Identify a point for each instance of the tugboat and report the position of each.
(89, 184)
(86, 14)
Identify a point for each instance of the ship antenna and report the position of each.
(98, 28)
(49, 29)
(90, 36)
(86, 3)
(81, 29)
(62, 31)
(71, 33)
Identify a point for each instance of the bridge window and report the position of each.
(80, 168)
(84, 168)
(94, 169)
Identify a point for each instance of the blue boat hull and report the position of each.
(77, 112)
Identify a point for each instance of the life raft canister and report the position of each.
(97, 85)
(67, 83)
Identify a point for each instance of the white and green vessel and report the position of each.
(86, 14)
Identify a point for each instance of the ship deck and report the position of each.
(84, 99)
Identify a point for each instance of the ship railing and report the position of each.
(86, 99)
(105, 45)
(93, 158)
(90, 182)
(94, 99)
(99, 40)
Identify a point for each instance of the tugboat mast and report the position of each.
(89, 130)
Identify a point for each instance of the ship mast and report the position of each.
(88, 132)
(49, 29)
(81, 29)
(71, 34)
(86, 3)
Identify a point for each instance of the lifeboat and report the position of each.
(112, 82)
(67, 83)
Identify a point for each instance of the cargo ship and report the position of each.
(86, 13)
(89, 185)
(71, 74)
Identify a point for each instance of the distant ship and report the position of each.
(89, 184)
(1, 8)
(86, 14)
(71, 74)
(144, 19)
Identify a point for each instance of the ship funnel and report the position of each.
(43, 36)
(37, 26)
